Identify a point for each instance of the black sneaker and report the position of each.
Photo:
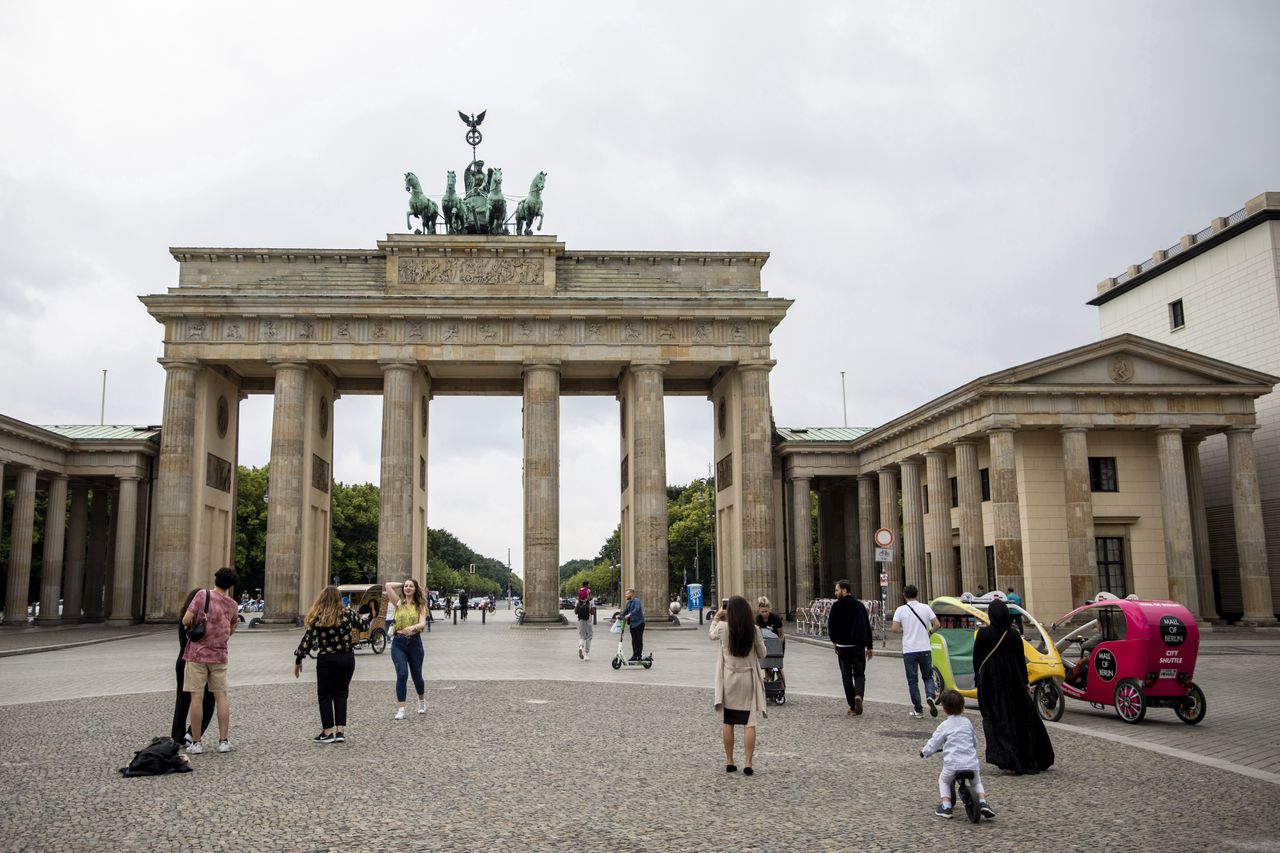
(942, 811)
(322, 738)
(339, 737)
(933, 708)
(987, 812)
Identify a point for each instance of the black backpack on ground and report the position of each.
(160, 757)
(582, 609)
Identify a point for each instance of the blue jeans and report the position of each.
(922, 661)
(406, 654)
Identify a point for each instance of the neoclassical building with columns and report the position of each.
(93, 554)
(1069, 475)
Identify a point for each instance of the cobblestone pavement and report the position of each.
(527, 747)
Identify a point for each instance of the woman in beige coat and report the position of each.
(739, 685)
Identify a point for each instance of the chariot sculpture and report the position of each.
(482, 208)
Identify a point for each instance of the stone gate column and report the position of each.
(649, 495)
(973, 558)
(21, 534)
(870, 587)
(889, 519)
(126, 522)
(542, 495)
(1175, 510)
(77, 542)
(912, 528)
(55, 528)
(757, 481)
(285, 504)
(396, 481)
(1251, 540)
(1005, 512)
(1082, 554)
(830, 535)
(852, 553)
(95, 574)
(1199, 528)
(802, 540)
(942, 574)
(175, 468)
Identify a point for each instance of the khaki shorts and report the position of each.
(198, 676)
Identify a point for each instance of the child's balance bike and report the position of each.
(961, 782)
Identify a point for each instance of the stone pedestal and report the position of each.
(55, 527)
(21, 533)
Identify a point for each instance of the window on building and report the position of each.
(1176, 318)
(955, 492)
(984, 475)
(1111, 565)
(991, 567)
(1102, 474)
(924, 498)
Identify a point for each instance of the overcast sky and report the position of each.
(941, 185)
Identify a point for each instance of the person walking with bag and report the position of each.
(210, 620)
(329, 628)
(406, 646)
(916, 623)
(180, 731)
(583, 611)
(739, 694)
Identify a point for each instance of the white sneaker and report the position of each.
(586, 656)
(224, 746)
(915, 715)
(422, 706)
(195, 748)
(399, 715)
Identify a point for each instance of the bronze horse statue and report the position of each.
(531, 206)
(497, 204)
(451, 205)
(420, 206)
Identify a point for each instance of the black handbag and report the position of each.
(195, 630)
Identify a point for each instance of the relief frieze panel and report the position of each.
(522, 272)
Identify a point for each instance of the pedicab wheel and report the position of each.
(1193, 711)
(1050, 702)
(938, 684)
(1131, 705)
(617, 664)
(378, 640)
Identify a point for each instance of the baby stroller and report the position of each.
(775, 685)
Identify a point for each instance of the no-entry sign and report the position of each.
(883, 538)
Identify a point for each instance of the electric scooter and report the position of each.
(620, 659)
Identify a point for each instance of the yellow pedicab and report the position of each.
(952, 651)
(366, 600)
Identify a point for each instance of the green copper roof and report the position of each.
(821, 433)
(109, 432)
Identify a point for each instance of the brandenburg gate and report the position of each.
(428, 315)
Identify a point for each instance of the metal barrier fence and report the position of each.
(812, 620)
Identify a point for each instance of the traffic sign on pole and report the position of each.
(883, 538)
(884, 555)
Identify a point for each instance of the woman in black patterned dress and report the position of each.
(329, 628)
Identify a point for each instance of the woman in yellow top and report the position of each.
(406, 644)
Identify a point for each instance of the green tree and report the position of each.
(251, 527)
(572, 567)
(355, 532)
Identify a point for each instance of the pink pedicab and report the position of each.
(1132, 655)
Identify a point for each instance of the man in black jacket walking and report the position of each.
(850, 630)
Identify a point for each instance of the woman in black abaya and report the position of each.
(1015, 734)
